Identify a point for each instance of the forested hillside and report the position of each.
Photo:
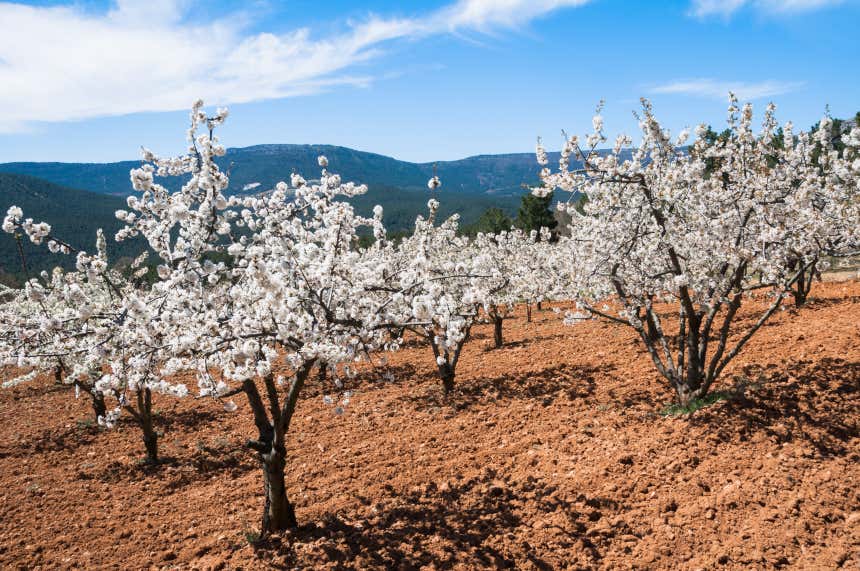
(74, 216)
(268, 164)
(469, 186)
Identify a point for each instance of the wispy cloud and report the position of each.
(60, 63)
(485, 15)
(725, 8)
(716, 89)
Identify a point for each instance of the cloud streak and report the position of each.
(60, 63)
(715, 89)
(726, 8)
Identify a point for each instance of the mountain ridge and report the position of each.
(271, 162)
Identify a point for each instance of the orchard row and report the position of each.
(248, 285)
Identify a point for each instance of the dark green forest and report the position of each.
(74, 216)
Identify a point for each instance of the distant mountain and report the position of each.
(490, 174)
(47, 191)
(74, 216)
(469, 186)
(268, 164)
(101, 178)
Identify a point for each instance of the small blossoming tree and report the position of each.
(437, 292)
(517, 266)
(658, 228)
(294, 294)
(90, 328)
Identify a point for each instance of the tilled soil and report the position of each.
(551, 454)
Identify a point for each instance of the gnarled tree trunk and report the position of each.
(278, 514)
(803, 285)
(143, 416)
(273, 425)
(447, 374)
(447, 368)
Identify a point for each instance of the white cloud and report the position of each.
(715, 89)
(61, 63)
(725, 8)
(488, 14)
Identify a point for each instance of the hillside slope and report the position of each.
(74, 216)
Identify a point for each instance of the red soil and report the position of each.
(551, 454)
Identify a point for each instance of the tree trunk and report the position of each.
(150, 441)
(98, 402)
(800, 290)
(692, 386)
(497, 330)
(540, 306)
(150, 437)
(279, 514)
(803, 284)
(800, 296)
(687, 394)
(446, 373)
(446, 368)
(529, 312)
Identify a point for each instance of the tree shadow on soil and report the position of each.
(478, 523)
(230, 460)
(572, 381)
(36, 389)
(414, 343)
(76, 436)
(527, 341)
(812, 402)
(377, 376)
(189, 418)
(823, 302)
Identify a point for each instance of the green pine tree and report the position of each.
(492, 221)
(535, 213)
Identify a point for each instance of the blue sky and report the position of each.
(421, 81)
